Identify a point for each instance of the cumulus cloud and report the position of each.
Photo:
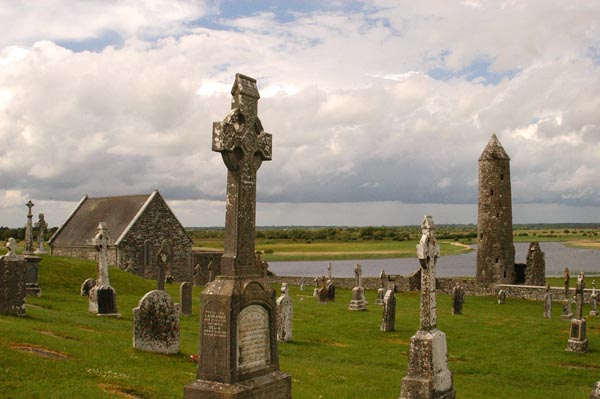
(380, 102)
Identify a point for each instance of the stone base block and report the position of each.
(576, 345)
(422, 388)
(357, 305)
(33, 290)
(275, 385)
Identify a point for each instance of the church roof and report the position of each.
(494, 150)
(119, 214)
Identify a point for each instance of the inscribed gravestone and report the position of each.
(285, 314)
(32, 275)
(156, 324)
(185, 298)
(388, 318)
(239, 359)
(428, 375)
(102, 297)
(12, 281)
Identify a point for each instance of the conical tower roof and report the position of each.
(494, 150)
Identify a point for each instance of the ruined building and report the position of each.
(495, 250)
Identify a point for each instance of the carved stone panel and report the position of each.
(253, 346)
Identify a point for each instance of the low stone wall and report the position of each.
(537, 292)
(370, 283)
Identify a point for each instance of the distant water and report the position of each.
(558, 257)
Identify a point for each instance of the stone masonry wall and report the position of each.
(203, 258)
(87, 252)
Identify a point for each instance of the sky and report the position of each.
(379, 109)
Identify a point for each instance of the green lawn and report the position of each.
(496, 351)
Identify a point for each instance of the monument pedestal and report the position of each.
(238, 342)
(358, 301)
(103, 301)
(577, 338)
(428, 375)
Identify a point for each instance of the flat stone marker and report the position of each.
(102, 297)
(428, 376)
(185, 298)
(501, 297)
(238, 339)
(388, 317)
(156, 324)
(285, 315)
(12, 281)
(577, 333)
(548, 303)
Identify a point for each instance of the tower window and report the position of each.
(492, 191)
(505, 274)
(147, 253)
(497, 259)
(502, 177)
(497, 214)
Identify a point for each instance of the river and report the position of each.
(557, 257)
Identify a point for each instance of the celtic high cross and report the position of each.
(427, 252)
(29, 230)
(244, 146)
(101, 242)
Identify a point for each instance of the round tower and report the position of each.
(495, 250)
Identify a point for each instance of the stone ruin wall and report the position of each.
(80, 252)
(203, 258)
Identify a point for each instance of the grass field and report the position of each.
(499, 351)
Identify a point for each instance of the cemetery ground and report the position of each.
(60, 350)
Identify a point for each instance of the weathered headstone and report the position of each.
(156, 324)
(162, 261)
(32, 275)
(322, 293)
(382, 288)
(548, 303)
(301, 283)
(28, 246)
(86, 286)
(594, 300)
(428, 376)
(238, 340)
(501, 297)
(185, 298)
(567, 312)
(577, 333)
(596, 391)
(285, 314)
(388, 317)
(12, 281)
(316, 289)
(458, 298)
(41, 226)
(358, 293)
(102, 297)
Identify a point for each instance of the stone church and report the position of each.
(137, 225)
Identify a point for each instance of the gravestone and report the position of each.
(301, 283)
(596, 391)
(577, 333)
(238, 340)
(322, 293)
(185, 298)
(32, 282)
(28, 246)
(458, 298)
(285, 314)
(41, 226)
(102, 297)
(156, 324)
(428, 376)
(594, 300)
(501, 297)
(316, 289)
(382, 288)
(548, 303)
(13, 289)
(162, 261)
(388, 317)
(358, 293)
(567, 311)
(86, 286)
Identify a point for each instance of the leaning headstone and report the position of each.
(548, 303)
(567, 311)
(12, 281)
(102, 297)
(458, 298)
(322, 293)
(388, 317)
(185, 298)
(32, 276)
(238, 341)
(285, 314)
(86, 286)
(501, 297)
(428, 375)
(28, 246)
(594, 300)
(382, 288)
(596, 391)
(577, 333)
(156, 324)
(358, 293)
(41, 226)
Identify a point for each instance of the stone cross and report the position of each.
(101, 242)
(244, 146)
(427, 252)
(29, 230)
(567, 277)
(382, 279)
(41, 225)
(162, 260)
(357, 275)
(579, 292)
(329, 270)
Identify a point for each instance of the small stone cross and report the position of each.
(29, 230)
(427, 252)
(29, 205)
(162, 260)
(101, 242)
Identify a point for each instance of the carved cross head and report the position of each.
(29, 205)
(41, 223)
(164, 252)
(101, 240)
(427, 249)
